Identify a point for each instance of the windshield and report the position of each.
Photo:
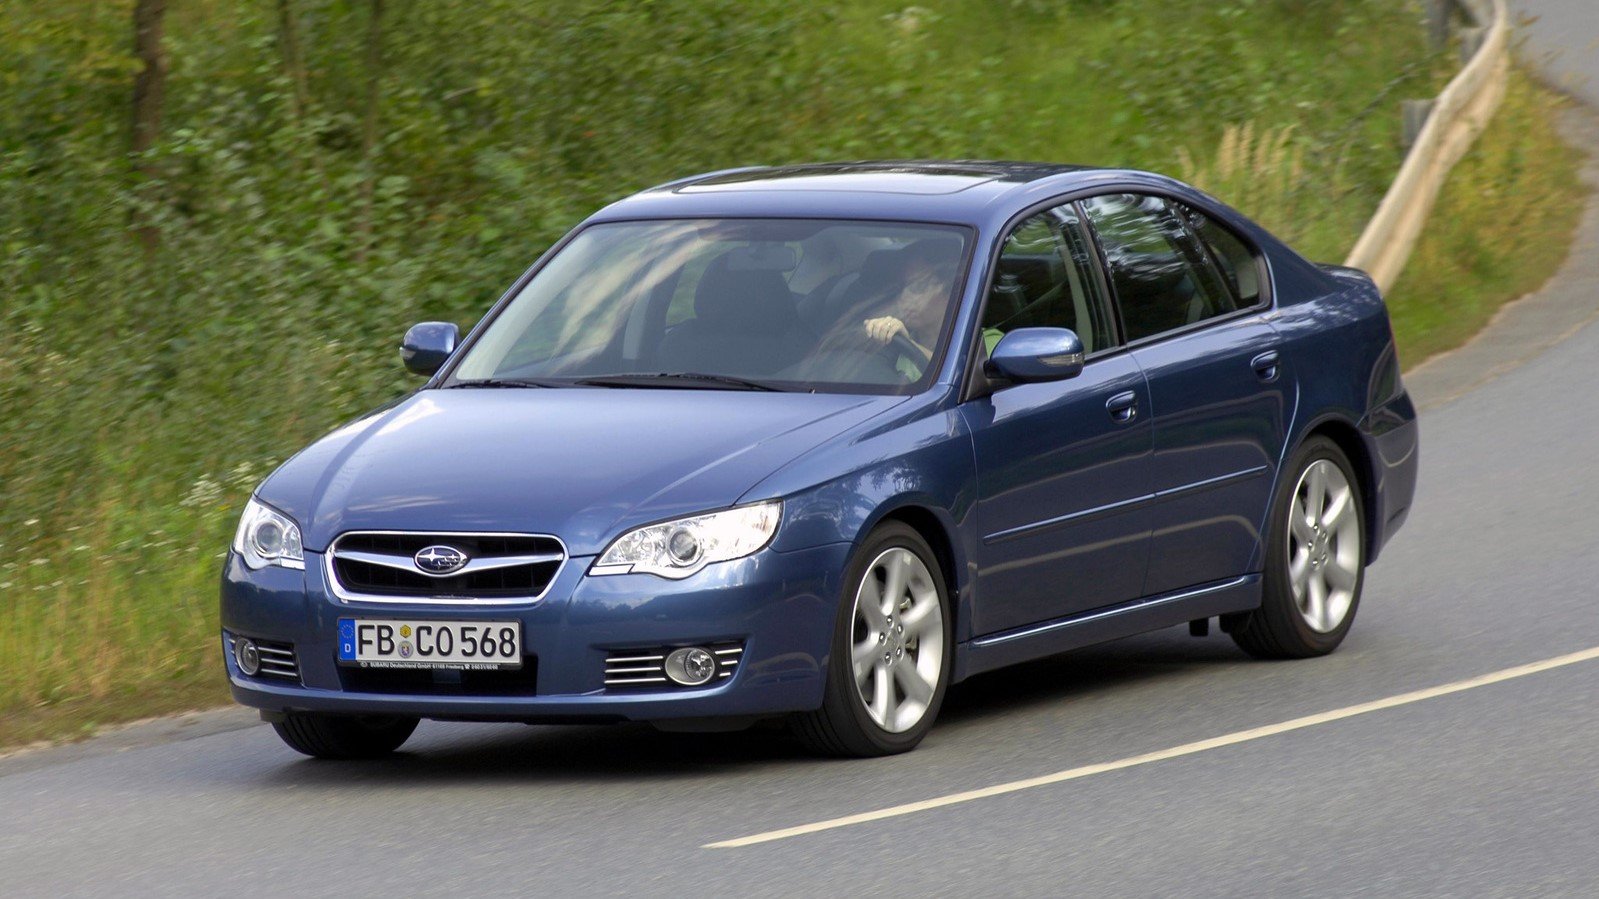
(731, 304)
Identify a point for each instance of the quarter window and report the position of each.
(1233, 257)
(1045, 278)
(1160, 273)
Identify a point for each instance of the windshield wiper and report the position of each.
(505, 382)
(688, 379)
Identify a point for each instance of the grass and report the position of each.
(142, 398)
(1500, 228)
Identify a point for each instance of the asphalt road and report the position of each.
(1485, 789)
(1563, 40)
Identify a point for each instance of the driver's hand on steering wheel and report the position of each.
(885, 328)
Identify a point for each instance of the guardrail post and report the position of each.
(1438, 22)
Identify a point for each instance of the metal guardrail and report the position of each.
(1455, 119)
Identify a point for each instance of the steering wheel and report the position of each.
(901, 345)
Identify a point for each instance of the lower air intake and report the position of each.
(277, 660)
(645, 669)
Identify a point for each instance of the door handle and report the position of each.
(1123, 407)
(1266, 366)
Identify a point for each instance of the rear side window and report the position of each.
(1235, 260)
(1045, 278)
(1161, 275)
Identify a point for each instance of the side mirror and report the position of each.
(427, 345)
(1026, 355)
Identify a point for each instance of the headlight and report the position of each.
(268, 537)
(677, 549)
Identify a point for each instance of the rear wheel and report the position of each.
(1315, 559)
(344, 737)
(890, 661)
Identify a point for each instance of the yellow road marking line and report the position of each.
(1242, 736)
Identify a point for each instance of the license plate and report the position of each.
(403, 643)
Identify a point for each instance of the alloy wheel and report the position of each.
(897, 640)
(1324, 546)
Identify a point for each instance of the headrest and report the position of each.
(742, 298)
(884, 272)
(936, 251)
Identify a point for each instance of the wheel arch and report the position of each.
(927, 523)
(940, 535)
(1346, 436)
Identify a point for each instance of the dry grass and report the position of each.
(1261, 170)
(117, 620)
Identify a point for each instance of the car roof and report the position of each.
(954, 191)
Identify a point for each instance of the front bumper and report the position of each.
(780, 606)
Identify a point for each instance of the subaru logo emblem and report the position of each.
(440, 559)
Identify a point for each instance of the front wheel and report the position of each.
(344, 737)
(890, 660)
(1315, 559)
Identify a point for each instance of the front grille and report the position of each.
(277, 659)
(382, 566)
(645, 669)
(444, 681)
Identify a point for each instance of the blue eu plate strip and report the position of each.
(347, 639)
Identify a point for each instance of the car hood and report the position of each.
(579, 463)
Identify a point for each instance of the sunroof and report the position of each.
(878, 178)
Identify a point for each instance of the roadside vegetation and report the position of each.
(1501, 227)
(322, 173)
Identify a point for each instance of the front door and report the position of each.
(1062, 467)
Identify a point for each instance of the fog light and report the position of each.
(690, 666)
(247, 656)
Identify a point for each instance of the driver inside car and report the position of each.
(911, 305)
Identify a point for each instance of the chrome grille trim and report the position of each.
(403, 562)
(641, 667)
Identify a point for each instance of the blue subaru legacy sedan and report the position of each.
(817, 442)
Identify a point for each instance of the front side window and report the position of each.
(785, 304)
(1045, 278)
(1159, 272)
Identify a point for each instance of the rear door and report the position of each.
(1215, 369)
(1063, 466)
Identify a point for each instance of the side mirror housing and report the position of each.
(1028, 355)
(427, 345)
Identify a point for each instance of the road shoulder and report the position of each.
(133, 735)
(1526, 327)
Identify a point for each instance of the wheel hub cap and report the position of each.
(1319, 547)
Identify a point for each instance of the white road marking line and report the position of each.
(1242, 736)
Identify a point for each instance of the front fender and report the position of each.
(919, 467)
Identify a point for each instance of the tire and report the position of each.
(905, 648)
(344, 737)
(1315, 559)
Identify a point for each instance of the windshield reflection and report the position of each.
(733, 304)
